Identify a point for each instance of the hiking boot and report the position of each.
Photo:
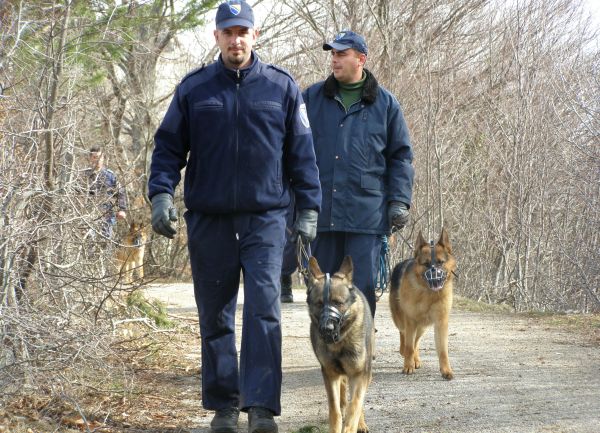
(225, 420)
(286, 289)
(260, 420)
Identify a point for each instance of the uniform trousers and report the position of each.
(221, 246)
(330, 248)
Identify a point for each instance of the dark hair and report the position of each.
(95, 149)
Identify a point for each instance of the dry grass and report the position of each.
(151, 375)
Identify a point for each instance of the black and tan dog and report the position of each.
(341, 332)
(420, 296)
(130, 256)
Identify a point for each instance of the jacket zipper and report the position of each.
(237, 147)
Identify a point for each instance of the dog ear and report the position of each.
(347, 268)
(419, 243)
(314, 269)
(444, 241)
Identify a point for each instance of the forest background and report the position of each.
(502, 100)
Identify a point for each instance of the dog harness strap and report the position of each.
(432, 254)
(435, 275)
(331, 319)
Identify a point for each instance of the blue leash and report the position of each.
(382, 278)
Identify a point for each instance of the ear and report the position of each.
(444, 241)
(314, 269)
(419, 243)
(347, 268)
(362, 59)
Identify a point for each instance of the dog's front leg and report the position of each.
(355, 417)
(410, 334)
(140, 269)
(441, 347)
(333, 385)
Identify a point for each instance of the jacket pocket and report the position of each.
(266, 105)
(208, 105)
(371, 182)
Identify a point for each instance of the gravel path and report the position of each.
(511, 375)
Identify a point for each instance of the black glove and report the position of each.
(305, 226)
(397, 215)
(163, 212)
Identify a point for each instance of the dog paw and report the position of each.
(418, 363)
(447, 374)
(408, 369)
(362, 429)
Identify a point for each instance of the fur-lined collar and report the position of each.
(369, 90)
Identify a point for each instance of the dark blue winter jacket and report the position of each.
(364, 156)
(244, 139)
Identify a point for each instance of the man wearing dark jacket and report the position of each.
(364, 157)
(239, 126)
(102, 183)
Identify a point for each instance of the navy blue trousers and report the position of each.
(220, 247)
(330, 248)
(290, 257)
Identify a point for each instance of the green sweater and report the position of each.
(350, 93)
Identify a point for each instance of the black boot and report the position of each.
(260, 420)
(225, 420)
(286, 289)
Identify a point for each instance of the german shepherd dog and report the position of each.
(342, 337)
(421, 295)
(130, 255)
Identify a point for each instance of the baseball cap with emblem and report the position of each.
(347, 39)
(234, 13)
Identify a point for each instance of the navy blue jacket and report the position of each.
(244, 139)
(364, 156)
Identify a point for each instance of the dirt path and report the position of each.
(512, 374)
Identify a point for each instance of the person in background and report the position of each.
(239, 126)
(102, 183)
(364, 157)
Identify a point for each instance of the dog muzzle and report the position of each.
(330, 324)
(331, 319)
(435, 275)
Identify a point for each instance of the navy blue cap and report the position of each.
(234, 13)
(347, 39)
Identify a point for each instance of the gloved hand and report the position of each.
(163, 213)
(305, 226)
(397, 215)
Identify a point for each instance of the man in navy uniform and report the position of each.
(365, 163)
(239, 126)
(103, 185)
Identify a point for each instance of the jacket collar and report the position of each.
(243, 73)
(369, 90)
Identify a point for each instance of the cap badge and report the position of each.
(235, 8)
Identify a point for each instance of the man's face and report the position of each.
(347, 65)
(236, 45)
(96, 160)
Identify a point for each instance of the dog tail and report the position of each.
(399, 270)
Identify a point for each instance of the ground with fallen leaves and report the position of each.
(513, 373)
